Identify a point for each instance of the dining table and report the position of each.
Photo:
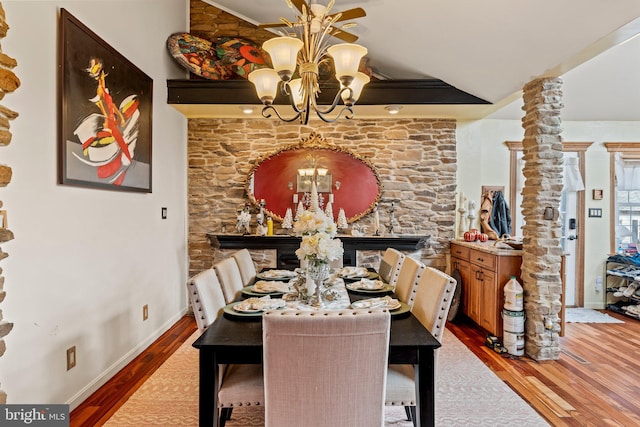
(238, 340)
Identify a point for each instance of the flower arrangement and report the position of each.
(311, 222)
(319, 244)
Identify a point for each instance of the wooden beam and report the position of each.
(378, 92)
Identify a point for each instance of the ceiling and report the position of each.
(492, 48)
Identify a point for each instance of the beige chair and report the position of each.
(230, 278)
(240, 385)
(390, 266)
(246, 266)
(325, 368)
(431, 306)
(206, 297)
(408, 278)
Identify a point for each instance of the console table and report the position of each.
(286, 246)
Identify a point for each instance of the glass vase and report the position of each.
(318, 272)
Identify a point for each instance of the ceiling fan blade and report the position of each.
(358, 12)
(274, 25)
(299, 3)
(343, 35)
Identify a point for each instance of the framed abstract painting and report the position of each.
(105, 111)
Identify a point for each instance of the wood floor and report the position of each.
(596, 381)
(102, 404)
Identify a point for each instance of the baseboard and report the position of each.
(99, 381)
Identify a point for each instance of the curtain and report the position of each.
(627, 174)
(572, 178)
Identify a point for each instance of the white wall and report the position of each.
(483, 159)
(85, 261)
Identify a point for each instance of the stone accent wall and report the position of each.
(542, 256)
(415, 158)
(9, 82)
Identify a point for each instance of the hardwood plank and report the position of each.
(102, 404)
(595, 382)
(598, 375)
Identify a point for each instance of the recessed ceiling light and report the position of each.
(393, 109)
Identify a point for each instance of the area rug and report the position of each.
(588, 315)
(467, 394)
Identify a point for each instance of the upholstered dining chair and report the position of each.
(246, 266)
(325, 368)
(431, 307)
(240, 385)
(408, 278)
(230, 278)
(390, 265)
(206, 297)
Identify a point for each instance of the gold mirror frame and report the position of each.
(351, 192)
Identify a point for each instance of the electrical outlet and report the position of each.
(71, 357)
(145, 312)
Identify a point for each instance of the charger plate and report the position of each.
(248, 291)
(386, 289)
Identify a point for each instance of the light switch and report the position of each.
(164, 213)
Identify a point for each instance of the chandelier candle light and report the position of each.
(307, 47)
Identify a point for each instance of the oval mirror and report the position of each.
(283, 179)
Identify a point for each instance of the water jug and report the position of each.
(513, 295)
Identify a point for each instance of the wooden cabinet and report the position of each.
(484, 270)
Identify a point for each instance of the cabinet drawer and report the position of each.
(483, 259)
(460, 252)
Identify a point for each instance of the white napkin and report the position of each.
(382, 302)
(353, 272)
(278, 274)
(368, 284)
(266, 286)
(259, 304)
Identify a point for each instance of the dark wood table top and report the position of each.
(241, 341)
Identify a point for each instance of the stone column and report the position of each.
(8, 83)
(542, 251)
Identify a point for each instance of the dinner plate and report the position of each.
(403, 310)
(263, 275)
(365, 303)
(371, 275)
(250, 292)
(230, 313)
(383, 290)
(237, 308)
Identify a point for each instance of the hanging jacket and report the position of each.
(500, 216)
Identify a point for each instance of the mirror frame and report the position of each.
(313, 142)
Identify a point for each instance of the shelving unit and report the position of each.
(620, 275)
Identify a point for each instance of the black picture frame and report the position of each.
(105, 109)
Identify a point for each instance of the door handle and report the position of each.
(572, 237)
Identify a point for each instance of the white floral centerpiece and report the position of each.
(318, 238)
(319, 245)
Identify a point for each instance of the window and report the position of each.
(625, 189)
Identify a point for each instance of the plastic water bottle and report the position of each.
(513, 295)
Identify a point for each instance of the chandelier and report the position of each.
(300, 53)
